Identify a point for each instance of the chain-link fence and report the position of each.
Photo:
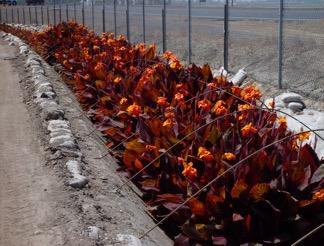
(194, 30)
(303, 50)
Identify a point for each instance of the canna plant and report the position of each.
(181, 128)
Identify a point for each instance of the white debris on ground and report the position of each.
(77, 180)
(61, 138)
(93, 232)
(293, 104)
(128, 240)
(33, 28)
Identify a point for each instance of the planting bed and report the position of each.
(214, 164)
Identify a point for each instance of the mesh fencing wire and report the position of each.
(253, 33)
(303, 45)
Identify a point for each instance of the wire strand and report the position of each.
(219, 176)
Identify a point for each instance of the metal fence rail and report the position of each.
(279, 43)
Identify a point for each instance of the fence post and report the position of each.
(74, 11)
(280, 40)
(42, 15)
(48, 15)
(82, 10)
(30, 18)
(92, 13)
(18, 15)
(226, 36)
(115, 19)
(127, 21)
(6, 12)
(0, 15)
(54, 14)
(12, 15)
(60, 11)
(103, 16)
(189, 31)
(36, 16)
(67, 12)
(163, 31)
(164, 26)
(143, 18)
(24, 16)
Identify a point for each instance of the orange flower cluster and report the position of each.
(162, 101)
(204, 154)
(189, 171)
(229, 156)
(303, 136)
(204, 105)
(220, 108)
(248, 130)
(250, 93)
(134, 109)
(282, 121)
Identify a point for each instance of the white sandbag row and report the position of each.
(33, 28)
(237, 79)
(290, 100)
(77, 180)
(61, 138)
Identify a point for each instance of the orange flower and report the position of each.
(168, 55)
(175, 64)
(236, 90)
(123, 100)
(162, 101)
(179, 97)
(282, 121)
(219, 108)
(96, 48)
(244, 107)
(99, 66)
(134, 110)
(241, 117)
(212, 86)
(168, 123)
(248, 129)
(319, 195)
(250, 93)
(117, 80)
(303, 136)
(117, 58)
(204, 105)
(100, 70)
(189, 171)
(204, 154)
(229, 156)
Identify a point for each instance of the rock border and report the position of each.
(61, 139)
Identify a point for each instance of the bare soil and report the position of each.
(29, 192)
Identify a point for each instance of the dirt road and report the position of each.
(27, 197)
